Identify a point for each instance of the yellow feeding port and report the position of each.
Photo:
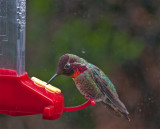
(44, 85)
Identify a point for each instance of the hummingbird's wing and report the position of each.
(102, 75)
(107, 91)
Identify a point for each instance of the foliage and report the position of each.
(105, 33)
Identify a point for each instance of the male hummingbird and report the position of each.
(91, 82)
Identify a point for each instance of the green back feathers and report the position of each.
(103, 76)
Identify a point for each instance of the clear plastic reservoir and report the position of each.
(12, 35)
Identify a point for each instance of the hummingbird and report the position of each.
(91, 82)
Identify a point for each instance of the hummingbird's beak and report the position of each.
(52, 78)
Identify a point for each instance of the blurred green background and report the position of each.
(119, 36)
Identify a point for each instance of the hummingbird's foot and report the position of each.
(90, 98)
(86, 97)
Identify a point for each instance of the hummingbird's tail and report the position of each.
(116, 111)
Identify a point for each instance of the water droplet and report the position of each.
(75, 13)
(149, 22)
(83, 51)
(139, 110)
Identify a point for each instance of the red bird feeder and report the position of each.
(19, 95)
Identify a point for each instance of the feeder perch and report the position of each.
(19, 94)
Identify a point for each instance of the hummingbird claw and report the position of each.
(86, 97)
(90, 98)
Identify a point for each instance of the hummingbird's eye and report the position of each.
(67, 66)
